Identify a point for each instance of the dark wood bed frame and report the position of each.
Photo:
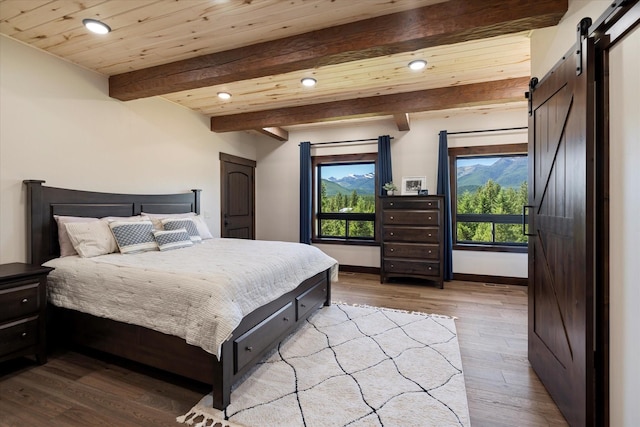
(258, 333)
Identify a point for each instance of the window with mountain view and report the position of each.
(344, 198)
(488, 191)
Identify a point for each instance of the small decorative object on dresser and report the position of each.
(23, 302)
(412, 237)
(390, 187)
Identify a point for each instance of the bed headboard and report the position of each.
(44, 202)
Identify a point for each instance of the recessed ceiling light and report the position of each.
(224, 95)
(96, 26)
(308, 82)
(418, 64)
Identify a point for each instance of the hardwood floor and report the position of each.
(87, 389)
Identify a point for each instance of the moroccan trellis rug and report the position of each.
(352, 366)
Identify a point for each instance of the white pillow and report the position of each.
(172, 239)
(66, 247)
(134, 236)
(125, 218)
(203, 229)
(91, 239)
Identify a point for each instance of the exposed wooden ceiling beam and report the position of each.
(494, 92)
(275, 132)
(402, 121)
(442, 23)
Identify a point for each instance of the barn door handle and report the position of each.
(524, 222)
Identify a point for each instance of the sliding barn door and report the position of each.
(561, 260)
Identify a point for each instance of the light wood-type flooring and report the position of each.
(87, 389)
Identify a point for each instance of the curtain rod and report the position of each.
(486, 130)
(351, 140)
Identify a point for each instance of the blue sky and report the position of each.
(343, 170)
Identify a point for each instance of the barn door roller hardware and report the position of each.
(582, 32)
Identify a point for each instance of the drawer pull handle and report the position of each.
(24, 335)
(392, 265)
(249, 349)
(302, 305)
(429, 234)
(391, 217)
(392, 249)
(286, 319)
(391, 204)
(25, 300)
(429, 217)
(429, 250)
(430, 268)
(391, 234)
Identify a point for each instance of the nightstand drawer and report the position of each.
(17, 335)
(19, 301)
(411, 217)
(423, 268)
(411, 234)
(411, 250)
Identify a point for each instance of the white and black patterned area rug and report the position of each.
(352, 366)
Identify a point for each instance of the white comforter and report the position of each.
(199, 293)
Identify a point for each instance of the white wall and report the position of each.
(549, 44)
(624, 177)
(57, 123)
(413, 153)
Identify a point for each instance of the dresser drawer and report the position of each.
(422, 268)
(250, 344)
(410, 203)
(311, 299)
(411, 250)
(17, 335)
(19, 301)
(413, 234)
(411, 217)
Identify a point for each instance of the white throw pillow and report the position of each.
(91, 239)
(66, 247)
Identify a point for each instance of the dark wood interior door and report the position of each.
(237, 190)
(561, 250)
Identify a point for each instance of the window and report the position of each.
(344, 198)
(488, 193)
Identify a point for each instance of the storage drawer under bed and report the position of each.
(258, 338)
(311, 299)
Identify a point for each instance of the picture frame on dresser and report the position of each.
(411, 185)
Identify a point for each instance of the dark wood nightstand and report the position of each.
(23, 303)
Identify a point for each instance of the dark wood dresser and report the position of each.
(412, 237)
(23, 302)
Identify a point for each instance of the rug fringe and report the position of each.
(396, 310)
(208, 419)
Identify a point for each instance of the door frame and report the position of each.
(610, 28)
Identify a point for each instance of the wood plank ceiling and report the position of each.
(258, 51)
